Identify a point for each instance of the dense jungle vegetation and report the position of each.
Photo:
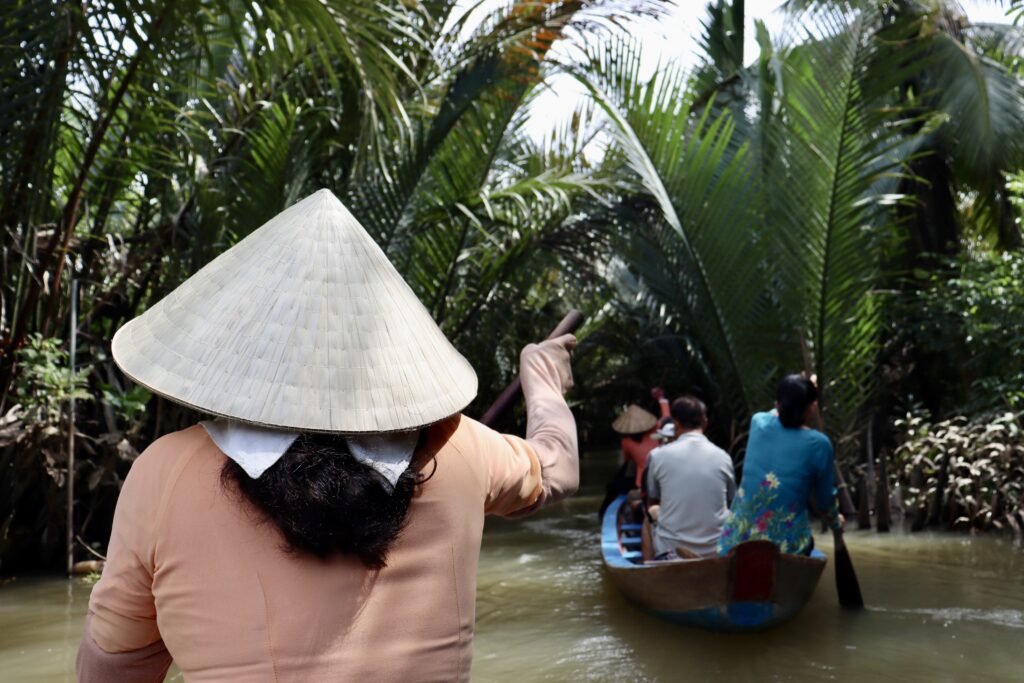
(859, 180)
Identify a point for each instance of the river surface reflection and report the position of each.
(941, 608)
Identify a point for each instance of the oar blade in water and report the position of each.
(847, 585)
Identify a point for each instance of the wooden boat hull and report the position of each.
(752, 588)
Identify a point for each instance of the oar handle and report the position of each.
(570, 323)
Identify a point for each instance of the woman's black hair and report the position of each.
(795, 393)
(325, 501)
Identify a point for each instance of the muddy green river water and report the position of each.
(941, 608)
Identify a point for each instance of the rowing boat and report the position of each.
(752, 588)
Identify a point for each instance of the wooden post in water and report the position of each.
(71, 430)
(863, 503)
(865, 492)
(883, 515)
(872, 453)
(921, 507)
(935, 516)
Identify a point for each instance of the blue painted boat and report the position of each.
(752, 588)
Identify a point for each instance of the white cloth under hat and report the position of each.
(389, 454)
(304, 325)
(666, 432)
(256, 449)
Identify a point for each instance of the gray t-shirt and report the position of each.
(694, 480)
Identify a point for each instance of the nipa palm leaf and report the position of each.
(826, 209)
(701, 263)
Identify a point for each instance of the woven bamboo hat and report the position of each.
(634, 420)
(303, 325)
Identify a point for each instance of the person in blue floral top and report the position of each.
(787, 464)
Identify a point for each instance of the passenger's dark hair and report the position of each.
(795, 393)
(325, 501)
(689, 412)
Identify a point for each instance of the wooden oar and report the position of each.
(847, 585)
(570, 323)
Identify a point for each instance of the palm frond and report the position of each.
(834, 142)
(698, 175)
(985, 109)
(496, 72)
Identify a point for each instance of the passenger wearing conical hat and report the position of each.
(638, 429)
(325, 523)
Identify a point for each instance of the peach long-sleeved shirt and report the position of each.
(190, 562)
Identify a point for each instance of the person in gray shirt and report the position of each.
(692, 482)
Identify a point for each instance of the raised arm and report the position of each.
(659, 395)
(550, 427)
(520, 475)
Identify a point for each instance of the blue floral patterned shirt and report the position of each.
(782, 470)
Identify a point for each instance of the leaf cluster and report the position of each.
(967, 310)
(46, 382)
(772, 207)
(970, 471)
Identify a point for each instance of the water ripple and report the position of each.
(1010, 618)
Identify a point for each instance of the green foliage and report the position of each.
(691, 263)
(46, 382)
(983, 103)
(1016, 11)
(771, 217)
(968, 311)
(128, 404)
(700, 217)
(971, 470)
(1015, 188)
(839, 132)
(968, 84)
(138, 141)
(721, 44)
(781, 186)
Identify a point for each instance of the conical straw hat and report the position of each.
(634, 420)
(303, 325)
